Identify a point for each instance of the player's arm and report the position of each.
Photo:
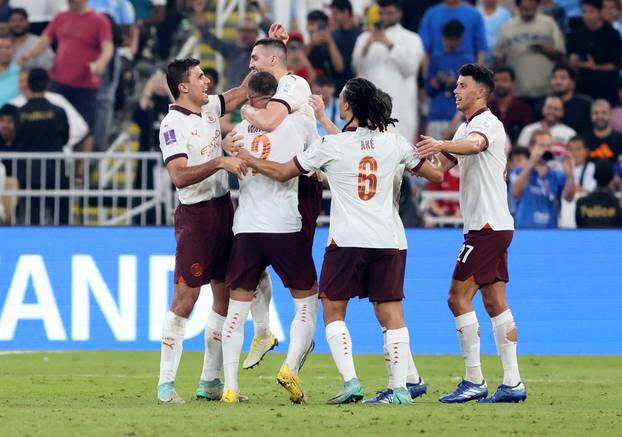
(268, 118)
(472, 144)
(428, 171)
(183, 175)
(236, 96)
(281, 172)
(316, 102)
(570, 186)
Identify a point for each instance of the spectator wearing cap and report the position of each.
(601, 208)
(530, 44)
(237, 54)
(595, 50)
(512, 111)
(321, 49)
(390, 57)
(325, 87)
(474, 40)
(24, 40)
(344, 35)
(441, 79)
(494, 16)
(9, 70)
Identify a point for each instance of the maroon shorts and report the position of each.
(483, 257)
(309, 204)
(377, 274)
(204, 237)
(288, 255)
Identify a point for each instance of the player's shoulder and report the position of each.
(294, 81)
(173, 119)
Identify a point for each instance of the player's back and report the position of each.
(361, 167)
(483, 190)
(265, 205)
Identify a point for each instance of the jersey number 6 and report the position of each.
(264, 141)
(367, 178)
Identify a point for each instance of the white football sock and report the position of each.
(387, 359)
(232, 341)
(301, 330)
(398, 347)
(506, 349)
(413, 376)
(173, 331)
(260, 307)
(340, 343)
(468, 335)
(212, 360)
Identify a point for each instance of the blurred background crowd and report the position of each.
(84, 76)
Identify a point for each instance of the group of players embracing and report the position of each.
(281, 163)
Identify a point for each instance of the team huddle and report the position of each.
(281, 163)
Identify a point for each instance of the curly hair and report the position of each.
(369, 107)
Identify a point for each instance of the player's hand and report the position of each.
(234, 165)
(317, 103)
(244, 154)
(428, 146)
(232, 143)
(247, 79)
(278, 31)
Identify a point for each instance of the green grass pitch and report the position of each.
(113, 393)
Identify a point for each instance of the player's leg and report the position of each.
(233, 339)
(263, 341)
(512, 389)
(414, 382)
(173, 332)
(210, 386)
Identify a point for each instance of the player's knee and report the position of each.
(182, 308)
(455, 302)
(512, 335)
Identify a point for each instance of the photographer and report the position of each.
(322, 50)
(539, 187)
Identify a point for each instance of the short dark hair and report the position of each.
(519, 2)
(8, 110)
(274, 44)
(212, 72)
(262, 84)
(603, 173)
(506, 70)
(342, 5)
(578, 138)
(178, 72)
(453, 29)
(598, 4)
(480, 74)
(567, 68)
(20, 11)
(397, 3)
(317, 15)
(518, 151)
(38, 80)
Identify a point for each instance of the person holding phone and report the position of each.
(321, 49)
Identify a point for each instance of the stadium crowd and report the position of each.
(557, 84)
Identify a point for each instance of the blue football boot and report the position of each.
(505, 393)
(417, 389)
(466, 391)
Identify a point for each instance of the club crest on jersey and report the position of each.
(169, 137)
(367, 144)
(211, 118)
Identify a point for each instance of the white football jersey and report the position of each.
(483, 191)
(197, 137)
(266, 205)
(361, 167)
(294, 92)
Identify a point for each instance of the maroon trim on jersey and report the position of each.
(450, 157)
(289, 108)
(175, 156)
(298, 166)
(476, 113)
(222, 105)
(416, 168)
(350, 129)
(183, 110)
(483, 135)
